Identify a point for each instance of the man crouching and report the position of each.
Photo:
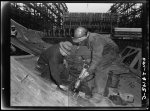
(50, 62)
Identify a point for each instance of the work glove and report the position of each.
(89, 75)
(84, 75)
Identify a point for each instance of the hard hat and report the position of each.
(13, 26)
(65, 47)
(79, 33)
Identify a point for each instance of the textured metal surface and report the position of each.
(28, 40)
(33, 91)
(29, 89)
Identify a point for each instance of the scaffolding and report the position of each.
(44, 17)
(129, 14)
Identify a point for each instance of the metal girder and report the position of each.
(58, 8)
(115, 7)
(51, 9)
(64, 6)
(127, 7)
(41, 12)
(134, 12)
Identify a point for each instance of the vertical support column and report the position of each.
(69, 31)
(58, 32)
(54, 32)
(111, 23)
(64, 32)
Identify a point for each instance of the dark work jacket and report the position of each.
(103, 50)
(52, 60)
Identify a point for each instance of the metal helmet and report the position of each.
(79, 32)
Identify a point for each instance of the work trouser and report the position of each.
(101, 75)
(97, 85)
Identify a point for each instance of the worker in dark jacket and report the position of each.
(103, 52)
(50, 62)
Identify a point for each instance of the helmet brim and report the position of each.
(76, 40)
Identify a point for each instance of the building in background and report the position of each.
(46, 17)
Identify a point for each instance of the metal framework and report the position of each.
(129, 14)
(39, 16)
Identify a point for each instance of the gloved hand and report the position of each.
(84, 75)
(88, 78)
(90, 75)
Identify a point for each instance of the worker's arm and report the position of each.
(55, 72)
(55, 61)
(97, 50)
